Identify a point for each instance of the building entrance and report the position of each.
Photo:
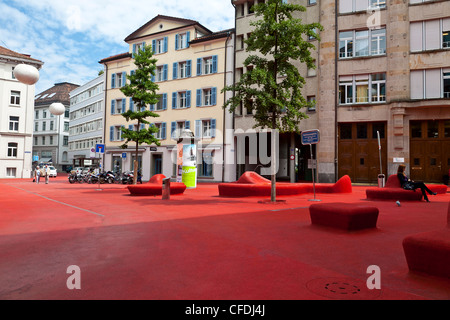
(358, 152)
(430, 150)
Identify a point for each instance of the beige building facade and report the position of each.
(193, 65)
(381, 87)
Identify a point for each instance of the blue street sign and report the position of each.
(124, 155)
(310, 136)
(100, 148)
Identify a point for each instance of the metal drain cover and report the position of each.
(342, 289)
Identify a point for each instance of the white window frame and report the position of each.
(206, 129)
(207, 97)
(182, 100)
(182, 69)
(12, 149)
(15, 98)
(159, 46)
(158, 134)
(14, 123)
(208, 65)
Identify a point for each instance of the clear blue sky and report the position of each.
(71, 36)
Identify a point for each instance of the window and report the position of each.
(430, 83)
(138, 46)
(161, 133)
(36, 126)
(205, 166)
(52, 125)
(182, 69)
(181, 99)
(11, 172)
(430, 35)
(44, 126)
(206, 97)
(65, 141)
(43, 141)
(12, 149)
(15, 98)
(115, 133)
(311, 2)
(161, 73)
(118, 80)
(177, 128)
(346, 44)
(355, 89)
(182, 40)
(345, 91)
(377, 3)
(118, 106)
(378, 87)
(250, 7)
(205, 128)
(446, 39)
(207, 65)
(161, 104)
(347, 6)
(51, 140)
(13, 123)
(160, 45)
(66, 126)
(36, 114)
(367, 43)
(312, 103)
(446, 77)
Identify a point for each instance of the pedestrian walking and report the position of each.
(46, 173)
(37, 173)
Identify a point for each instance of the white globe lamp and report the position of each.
(26, 74)
(57, 108)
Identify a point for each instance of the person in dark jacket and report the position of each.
(409, 184)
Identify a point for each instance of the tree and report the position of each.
(271, 87)
(142, 91)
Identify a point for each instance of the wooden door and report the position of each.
(358, 151)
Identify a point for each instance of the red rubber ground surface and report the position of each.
(201, 246)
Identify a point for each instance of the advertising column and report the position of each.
(189, 172)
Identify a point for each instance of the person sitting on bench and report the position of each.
(408, 184)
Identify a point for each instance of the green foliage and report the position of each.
(142, 91)
(271, 87)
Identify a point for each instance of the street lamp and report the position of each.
(26, 74)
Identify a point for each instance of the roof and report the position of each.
(213, 36)
(60, 92)
(188, 22)
(9, 53)
(116, 57)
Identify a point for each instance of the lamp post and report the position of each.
(57, 109)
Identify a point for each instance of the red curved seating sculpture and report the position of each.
(429, 252)
(393, 191)
(251, 184)
(154, 187)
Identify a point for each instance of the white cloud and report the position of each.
(71, 36)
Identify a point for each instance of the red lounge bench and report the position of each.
(393, 191)
(347, 216)
(429, 252)
(252, 184)
(154, 187)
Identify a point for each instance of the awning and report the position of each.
(44, 160)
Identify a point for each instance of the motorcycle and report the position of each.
(74, 177)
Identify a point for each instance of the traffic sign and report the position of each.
(100, 148)
(310, 136)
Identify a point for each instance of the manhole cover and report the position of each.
(342, 288)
